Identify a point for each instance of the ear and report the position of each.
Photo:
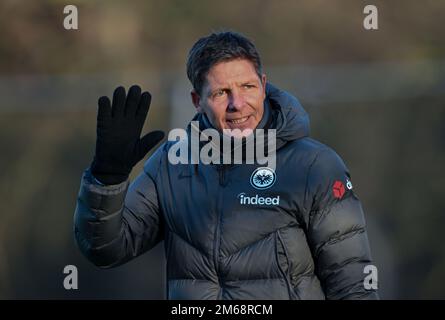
(196, 99)
(263, 81)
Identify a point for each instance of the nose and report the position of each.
(236, 101)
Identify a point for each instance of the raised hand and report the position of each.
(119, 125)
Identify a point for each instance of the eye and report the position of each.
(248, 86)
(219, 93)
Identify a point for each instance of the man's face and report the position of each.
(233, 96)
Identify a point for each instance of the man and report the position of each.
(231, 231)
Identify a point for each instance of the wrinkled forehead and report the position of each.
(231, 72)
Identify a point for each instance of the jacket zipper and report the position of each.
(167, 256)
(221, 174)
(217, 239)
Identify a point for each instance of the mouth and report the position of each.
(238, 121)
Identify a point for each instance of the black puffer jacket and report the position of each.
(227, 237)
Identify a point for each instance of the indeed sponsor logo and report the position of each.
(244, 199)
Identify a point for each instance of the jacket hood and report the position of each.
(291, 120)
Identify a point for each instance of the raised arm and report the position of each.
(112, 225)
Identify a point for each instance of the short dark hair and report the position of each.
(218, 47)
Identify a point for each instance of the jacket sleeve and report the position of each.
(336, 229)
(113, 226)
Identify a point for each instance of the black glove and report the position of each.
(118, 144)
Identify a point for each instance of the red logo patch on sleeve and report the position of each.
(338, 189)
